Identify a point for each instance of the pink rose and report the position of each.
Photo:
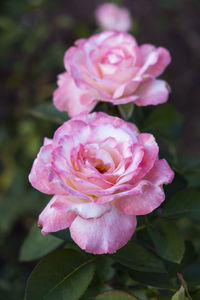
(110, 66)
(102, 173)
(112, 17)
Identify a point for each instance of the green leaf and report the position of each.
(104, 267)
(191, 274)
(141, 293)
(48, 112)
(115, 295)
(189, 167)
(95, 287)
(126, 110)
(64, 274)
(138, 258)
(190, 254)
(63, 235)
(196, 295)
(165, 122)
(180, 294)
(159, 280)
(179, 183)
(37, 245)
(184, 204)
(167, 240)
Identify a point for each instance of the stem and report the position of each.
(140, 227)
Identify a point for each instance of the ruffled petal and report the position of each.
(151, 150)
(127, 88)
(52, 220)
(69, 128)
(84, 210)
(161, 173)
(68, 97)
(100, 118)
(149, 198)
(152, 92)
(105, 234)
(41, 173)
(146, 49)
(155, 60)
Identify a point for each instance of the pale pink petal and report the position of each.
(108, 195)
(127, 88)
(84, 210)
(134, 169)
(143, 203)
(47, 141)
(152, 92)
(146, 49)
(161, 173)
(103, 132)
(68, 97)
(100, 118)
(69, 56)
(122, 191)
(65, 178)
(69, 189)
(111, 38)
(80, 42)
(125, 99)
(41, 172)
(52, 220)
(156, 61)
(101, 88)
(90, 184)
(72, 128)
(150, 153)
(105, 234)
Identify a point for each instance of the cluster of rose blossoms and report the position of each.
(101, 170)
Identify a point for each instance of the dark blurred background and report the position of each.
(34, 35)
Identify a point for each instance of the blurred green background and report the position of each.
(34, 35)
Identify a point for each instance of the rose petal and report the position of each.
(161, 173)
(152, 92)
(99, 119)
(68, 97)
(41, 172)
(72, 128)
(103, 132)
(133, 169)
(156, 61)
(122, 191)
(52, 220)
(84, 210)
(127, 88)
(146, 49)
(145, 202)
(151, 150)
(105, 234)
(47, 141)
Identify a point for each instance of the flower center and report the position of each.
(113, 57)
(97, 158)
(101, 167)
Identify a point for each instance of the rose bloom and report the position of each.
(110, 16)
(102, 173)
(110, 66)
